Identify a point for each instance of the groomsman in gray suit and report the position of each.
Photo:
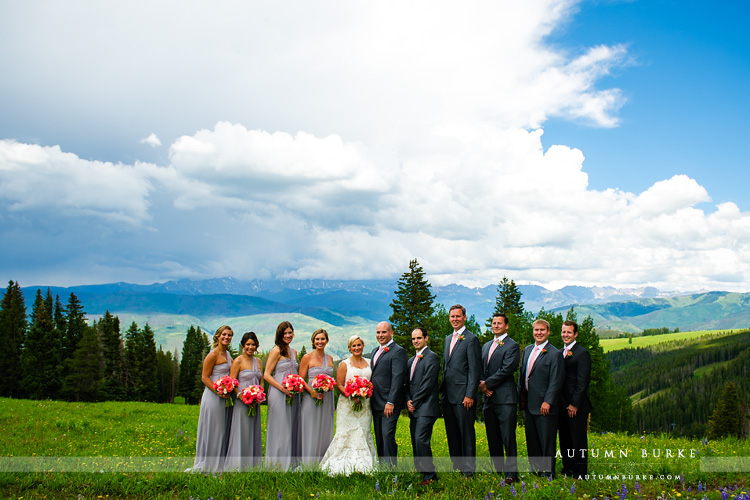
(500, 358)
(422, 403)
(539, 383)
(462, 366)
(388, 392)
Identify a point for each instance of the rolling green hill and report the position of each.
(704, 311)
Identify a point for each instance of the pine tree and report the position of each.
(191, 366)
(508, 302)
(76, 325)
(13, 326)
(148, 369)
(412, 306)
(41, 372)
(301, 353)
(84, 379)
(725, 420)
(131, 360)
(165, 375)
(113, 384)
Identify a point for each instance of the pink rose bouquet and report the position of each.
(252, 396)
(226, 385)
(294, 384)
(357, 388)
(322, 383)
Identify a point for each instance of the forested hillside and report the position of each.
(676, 386)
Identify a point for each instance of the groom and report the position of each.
(388, 378)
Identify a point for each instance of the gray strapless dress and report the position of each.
(245, 446)
(316, 421)
(283, 446)
(212, 424)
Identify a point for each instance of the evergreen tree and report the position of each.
(13, 326)
(41, 372)
(61, 327)
(76, 325)
(301, 353)
(145, 376)
(725, 420)
(166, 376)
(193, 351)
(412, 306)
(508, 302)
(131, 360)
(84, 379)
(113, 383)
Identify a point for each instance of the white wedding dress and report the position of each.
(352, 448)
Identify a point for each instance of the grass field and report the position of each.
(136, 450)
(624, 343)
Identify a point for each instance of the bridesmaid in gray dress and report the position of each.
(245, 447)
(212, 422)
(282, 420)
(316, 420)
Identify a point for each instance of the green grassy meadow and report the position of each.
(112, 450)
(649, 340)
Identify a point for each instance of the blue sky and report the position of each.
(686, 88)
(555, 142)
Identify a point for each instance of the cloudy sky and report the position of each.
(552, 141)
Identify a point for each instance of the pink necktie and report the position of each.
(413, 365)
(492, 349)
(377, 355)
(453, 343)
(532, 359)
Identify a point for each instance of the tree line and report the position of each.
(54, 353)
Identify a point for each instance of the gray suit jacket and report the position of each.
(388, 378)
(498, 373)
(545, 380)
(422, 390)
(461, 369)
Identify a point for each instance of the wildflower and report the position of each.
(573, 489)
(279, 494)
(637, 487)
(512, 490)
(523, 486)
(502, 483)
(377, 486)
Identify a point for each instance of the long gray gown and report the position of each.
(212, 423)
(245, 446)
(316, 420)
(283, 446)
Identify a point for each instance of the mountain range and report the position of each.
(354, 306)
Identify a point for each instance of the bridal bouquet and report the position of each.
(252, 396)
(357, 388)
(294, 384)
(322, 383)
(225, 385)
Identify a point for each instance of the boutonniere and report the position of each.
(568, 354)
(386, 349)
(460, 336)
(544, 350)
(420, 356)
(499, 342)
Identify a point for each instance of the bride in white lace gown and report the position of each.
(352, 448)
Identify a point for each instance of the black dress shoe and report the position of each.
(509, 480)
